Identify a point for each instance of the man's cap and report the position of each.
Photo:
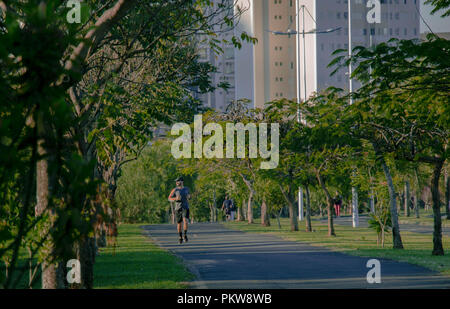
(179, 178)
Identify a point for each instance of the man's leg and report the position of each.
(180, 233)
(179, 218)
(185, 221)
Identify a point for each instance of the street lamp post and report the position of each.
(299, 116)
(297, 33)
(355, 214)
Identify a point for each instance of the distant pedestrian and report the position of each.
(180, 195)
(229, 208)
(337, 205)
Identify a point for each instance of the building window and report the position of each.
(229, 68)
(203, 53)
(229, 53)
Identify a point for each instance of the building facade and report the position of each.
(268, 70)
(224, 61)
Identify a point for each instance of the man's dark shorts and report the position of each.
(181, 213)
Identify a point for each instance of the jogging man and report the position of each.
(180, 195)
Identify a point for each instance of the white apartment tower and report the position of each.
(267, 71)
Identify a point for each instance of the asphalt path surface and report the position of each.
(225, 259)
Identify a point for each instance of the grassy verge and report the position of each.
(138, 264)
(360, 242)
(426, 218)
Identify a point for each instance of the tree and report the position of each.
(81, 104)
(405, 101)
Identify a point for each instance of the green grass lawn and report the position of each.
(425, 218)
(360, 242)
(138, 264)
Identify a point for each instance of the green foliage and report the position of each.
(33, 112)
(440, 5)
(145, 184)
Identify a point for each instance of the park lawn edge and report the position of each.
(165, 271)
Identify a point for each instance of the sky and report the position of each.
(436, 23)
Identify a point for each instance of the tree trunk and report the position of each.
(265, 221)
(250, 208)
(396, 238)
(52, 275)
(372, 201)
(278, 219)
(244, 209)
(293, 217)
(214, 206)
(211, 213)
(417, 194)
(308, 210)
(330, 203)
(240, 216)
(86, 251)
(447, 194)
(437, 233)
(249, 185)
(407, 199)
(292, 209)
(417, 205)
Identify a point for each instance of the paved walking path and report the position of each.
(225, 259)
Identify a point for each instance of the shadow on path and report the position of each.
(222, 258)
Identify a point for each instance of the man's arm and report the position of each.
(172, 196)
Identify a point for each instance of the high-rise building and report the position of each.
(224, 61)
(267, 70)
